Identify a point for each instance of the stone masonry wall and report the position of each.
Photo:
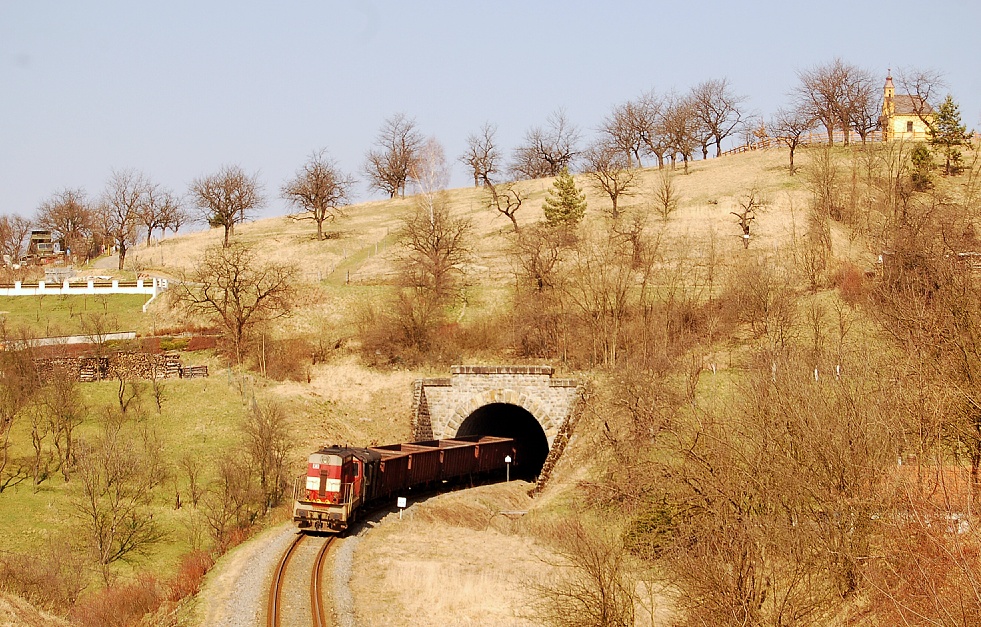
(441, 405)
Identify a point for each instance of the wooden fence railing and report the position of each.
(817, 138)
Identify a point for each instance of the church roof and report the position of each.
(910, 105)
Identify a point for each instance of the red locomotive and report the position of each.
(340, 481)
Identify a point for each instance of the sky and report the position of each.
(177, 89)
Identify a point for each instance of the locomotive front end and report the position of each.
(322, 498)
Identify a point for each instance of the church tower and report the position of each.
(888, 106)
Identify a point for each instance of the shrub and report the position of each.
(194, 566)
(118, 606)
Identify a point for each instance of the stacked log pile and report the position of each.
(132, 365)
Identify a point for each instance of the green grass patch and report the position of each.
(58, 315)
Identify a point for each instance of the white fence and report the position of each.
(150, 287)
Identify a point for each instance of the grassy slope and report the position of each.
(345, 402)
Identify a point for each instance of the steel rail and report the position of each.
(272, 608)
(316, 579)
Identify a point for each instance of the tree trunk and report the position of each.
(122, 254)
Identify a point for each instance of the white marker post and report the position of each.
(507, 460)
(401, 505)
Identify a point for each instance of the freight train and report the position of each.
(341, 482)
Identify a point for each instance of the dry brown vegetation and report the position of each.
(751, 399)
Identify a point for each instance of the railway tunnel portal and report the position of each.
(522, 402)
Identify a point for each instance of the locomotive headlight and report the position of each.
(313, 483)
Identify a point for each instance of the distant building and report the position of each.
(903, 116)
(40, 247)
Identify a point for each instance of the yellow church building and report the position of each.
(902, 116)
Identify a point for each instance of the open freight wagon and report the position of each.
(341, 482)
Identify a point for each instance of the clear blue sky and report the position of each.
(177, 89)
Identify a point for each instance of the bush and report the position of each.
(187, 582)
(119, 606)
(287, 359)
(851, 283)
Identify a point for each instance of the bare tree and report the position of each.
(482, 155)
(664, 194)
(268, 442)
(14, 230)
(389, 164)
(862, 105)
(18, 387)
(437, 244)
(161, 211)
(648, 120)
(749, 204)
(591, 587)
(608, 169)
(789, 127)
(227, 198)
(839, 95)
(127, 194)
(547, 151)
(236, 291)
(65, 410)
(68, 214)
(319, 190)
(506, 199)
(681, 129)
(116, 473)
(922, 88)
(626, 128)
(429, 173)
(717, 109)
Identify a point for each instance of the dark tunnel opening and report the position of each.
(511, 421)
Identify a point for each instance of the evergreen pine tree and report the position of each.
(947, 135)
(566, 203)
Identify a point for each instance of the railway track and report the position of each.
(302, 564)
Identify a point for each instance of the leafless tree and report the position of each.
(227, 198)
(163, 210)
(69, 215)
(429, 173)
(839, 95)
(482, 155)
(749, 204)
(127, 194)
(116, 473)
(437, 244)
(591, 587)
(608, 169)
(236, 291)
(862, 104)
(232, 501)
(14, 230)
(319, 190)
(268, 442)
(923, 89)
(65, 410)
(681, 129)
(506, 199)
(547, 151)
(788, 127)
(717, 109)
(193, 467)
(389, 164)
(664, 194)
(18, 388)
(649, 123)
(626, 128)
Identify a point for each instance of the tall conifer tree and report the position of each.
(565, 203)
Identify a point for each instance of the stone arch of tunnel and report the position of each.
(511, 421)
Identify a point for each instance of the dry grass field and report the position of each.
(455, 559)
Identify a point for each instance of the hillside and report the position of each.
(689, 360)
